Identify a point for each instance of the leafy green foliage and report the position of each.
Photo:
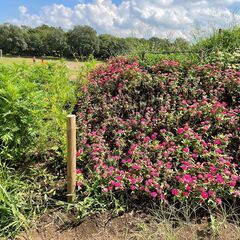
(34, 103)
(83, 41)
(110, 46)
(151, 59)
(79, 42)
(13, 39)
(47, 40)
(224, 40)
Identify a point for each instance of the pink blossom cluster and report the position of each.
(166, 132)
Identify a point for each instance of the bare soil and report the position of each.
(59, 226)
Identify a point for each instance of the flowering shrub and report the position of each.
(168, 132)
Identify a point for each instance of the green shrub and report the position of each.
(225, 40)
(34, 101)
(151, 59)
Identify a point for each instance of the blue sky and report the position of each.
(141, 18)
(9, 8)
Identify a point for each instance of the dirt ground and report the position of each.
(59, 226)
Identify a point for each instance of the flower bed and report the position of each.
(169, 132)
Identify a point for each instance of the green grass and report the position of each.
(74, 66)
(23, 197)
(28, 60)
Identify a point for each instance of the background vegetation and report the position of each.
(34, 102)
(81, 42)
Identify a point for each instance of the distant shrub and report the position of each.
(151, 59)
(170, 132)
(224, 40)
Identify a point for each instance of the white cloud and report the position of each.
(22, 10)
(141, 18)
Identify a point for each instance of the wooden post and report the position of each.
(71, 157)
(202, 56)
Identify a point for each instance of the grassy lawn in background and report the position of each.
(74, 66)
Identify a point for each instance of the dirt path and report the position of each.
(59, 226)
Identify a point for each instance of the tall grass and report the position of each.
(14, 210)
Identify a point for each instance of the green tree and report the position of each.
(56, 40)
(83, 41)
(46, 40)
(181, 45)
(160, 44)
(110, 46)
(13, 39)
(35, 43)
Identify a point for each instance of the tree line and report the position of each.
(80, 42)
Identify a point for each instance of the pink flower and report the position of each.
(160, 163)
(232, 183)
(120, 85)
(133, 187)
(105, 190)
(200, 176)
(209, 176)
(219, 151)
(212, 169)
(133, 181)
(136, 167)
(184, 167)
(119, 178)
(154, 136)
(204, 194)
(227, 172)
(118, 184)
(187, 178)
(220, 179)
(218, 142)
(211, 193)
(218, 201)
(112, 182)
(234, 177)
(132, 149)
(154, 194)
(194, 155)
(155, 173)
(146, 139)
(180, 130)
(204, 143)
(185, 194)
(165, 154)
(175, 192)
(168, 165)
(186, 150)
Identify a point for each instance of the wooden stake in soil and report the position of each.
(71, 157)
